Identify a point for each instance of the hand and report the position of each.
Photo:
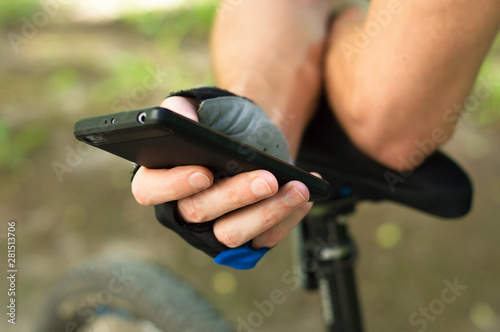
(247, 206)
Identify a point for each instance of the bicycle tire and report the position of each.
(128, 292)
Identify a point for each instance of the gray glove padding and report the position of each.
(245, 121)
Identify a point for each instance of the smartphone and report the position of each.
(159, 138)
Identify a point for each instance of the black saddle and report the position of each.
(438, 186)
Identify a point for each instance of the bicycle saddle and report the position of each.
(438, 186)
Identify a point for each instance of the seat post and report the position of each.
(330, 254)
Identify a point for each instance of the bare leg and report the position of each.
(398, 76)
(271, 52)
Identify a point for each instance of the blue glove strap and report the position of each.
(241, 258)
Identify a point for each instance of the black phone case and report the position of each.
(159, 138)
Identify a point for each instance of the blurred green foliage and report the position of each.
(188, 22)
(125, 73)
(496, 44)
(12, 12)
(18, 144)
(64, 79)
(489, 111)
(172, 34)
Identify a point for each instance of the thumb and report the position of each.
(181, 105)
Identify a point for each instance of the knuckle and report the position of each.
(191, 210)
(275, 235)
(229, 237)
(235, 197)
(270, 216)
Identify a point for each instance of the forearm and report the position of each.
(271, 52)
(394, 87)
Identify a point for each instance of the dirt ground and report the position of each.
(71, 203)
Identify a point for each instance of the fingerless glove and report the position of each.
(245, 121)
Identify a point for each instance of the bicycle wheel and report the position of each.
(122, 294)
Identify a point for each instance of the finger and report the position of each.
(157, 186)
(227, 195)
(241, 226)
(183, 106)
(278, 232)
(317, 175)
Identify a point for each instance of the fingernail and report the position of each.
(260, 187)
(199, 180)
(294, 198)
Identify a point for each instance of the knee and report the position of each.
(391, 130)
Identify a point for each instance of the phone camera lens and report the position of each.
(141, 118)
(113, 120)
